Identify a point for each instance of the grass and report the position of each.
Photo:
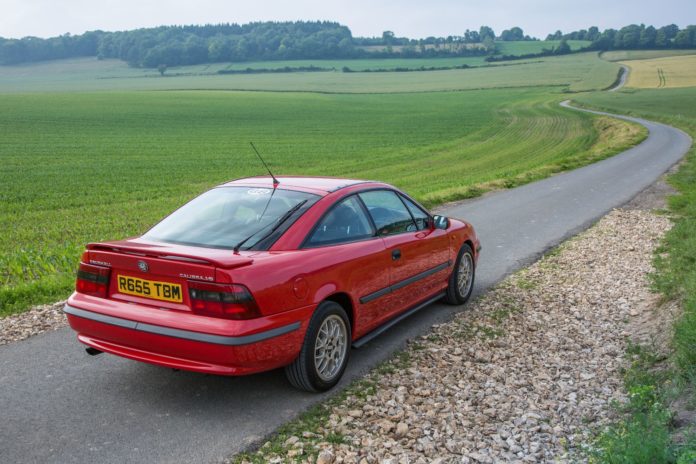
(648, 421)
(673, 71)
(355, 65)
(535, 46)
(643, 436)
(625, 55)
(521, 47)
(74, 172)
(580, 72)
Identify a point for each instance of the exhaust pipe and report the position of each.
(92, 351)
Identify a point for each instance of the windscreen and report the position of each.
(226, 216)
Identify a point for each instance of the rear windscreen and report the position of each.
(226, 216)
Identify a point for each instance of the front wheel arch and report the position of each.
(465, 262)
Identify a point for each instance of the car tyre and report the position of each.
(461, 281)
(325, 351)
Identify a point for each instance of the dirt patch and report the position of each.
(655, 196)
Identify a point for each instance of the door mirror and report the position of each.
(441, 222)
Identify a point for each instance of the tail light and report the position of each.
(230, 301)
(92, 280)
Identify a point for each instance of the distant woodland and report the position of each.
(633, 37)
(184, 45)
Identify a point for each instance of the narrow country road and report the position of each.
(622, 80)
(59, 405)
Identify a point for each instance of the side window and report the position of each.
(419, 215)
(345, 222)
(388, 212)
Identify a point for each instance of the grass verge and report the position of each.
(676, 277)
(647, 432)
(644, 434)
(21, 297)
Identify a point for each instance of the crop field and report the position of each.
(89, 166)
(91, 68)
(673, 71)
(577, 72)
(84, 167)
(625, 55)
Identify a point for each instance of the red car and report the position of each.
(260, 273)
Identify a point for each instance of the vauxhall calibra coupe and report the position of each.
(261, 273)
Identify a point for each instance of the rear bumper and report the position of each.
(215, 346)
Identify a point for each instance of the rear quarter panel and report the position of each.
(285, 280)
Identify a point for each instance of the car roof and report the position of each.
(322, 184)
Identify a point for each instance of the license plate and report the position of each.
(164, 291)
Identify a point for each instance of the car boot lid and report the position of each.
(221, 258)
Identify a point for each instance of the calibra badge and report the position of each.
(142, 265)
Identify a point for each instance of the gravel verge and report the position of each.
(527, 374)
(38, 319)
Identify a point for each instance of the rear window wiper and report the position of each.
(275, 224)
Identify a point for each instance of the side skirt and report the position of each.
(392, 322)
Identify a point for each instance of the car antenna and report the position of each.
(275, 181)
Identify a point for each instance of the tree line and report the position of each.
(633, 37)
(180, 45)
(229, 42)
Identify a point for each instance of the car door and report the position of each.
(353, 259)
(438, 249)
(413, 250)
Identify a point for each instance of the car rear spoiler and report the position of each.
(224, 259)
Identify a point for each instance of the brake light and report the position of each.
(92, 280)
(230, 301)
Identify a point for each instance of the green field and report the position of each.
(625, 55)
(522, 47)
(577, 72)
(674, 106)
(535, 46)
(85, 166)
(355, 65)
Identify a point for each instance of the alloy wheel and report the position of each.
(465, 274)
(330, 347)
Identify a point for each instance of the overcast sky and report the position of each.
(412, 18)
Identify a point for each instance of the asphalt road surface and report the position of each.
(622, 80)
(58, 404)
